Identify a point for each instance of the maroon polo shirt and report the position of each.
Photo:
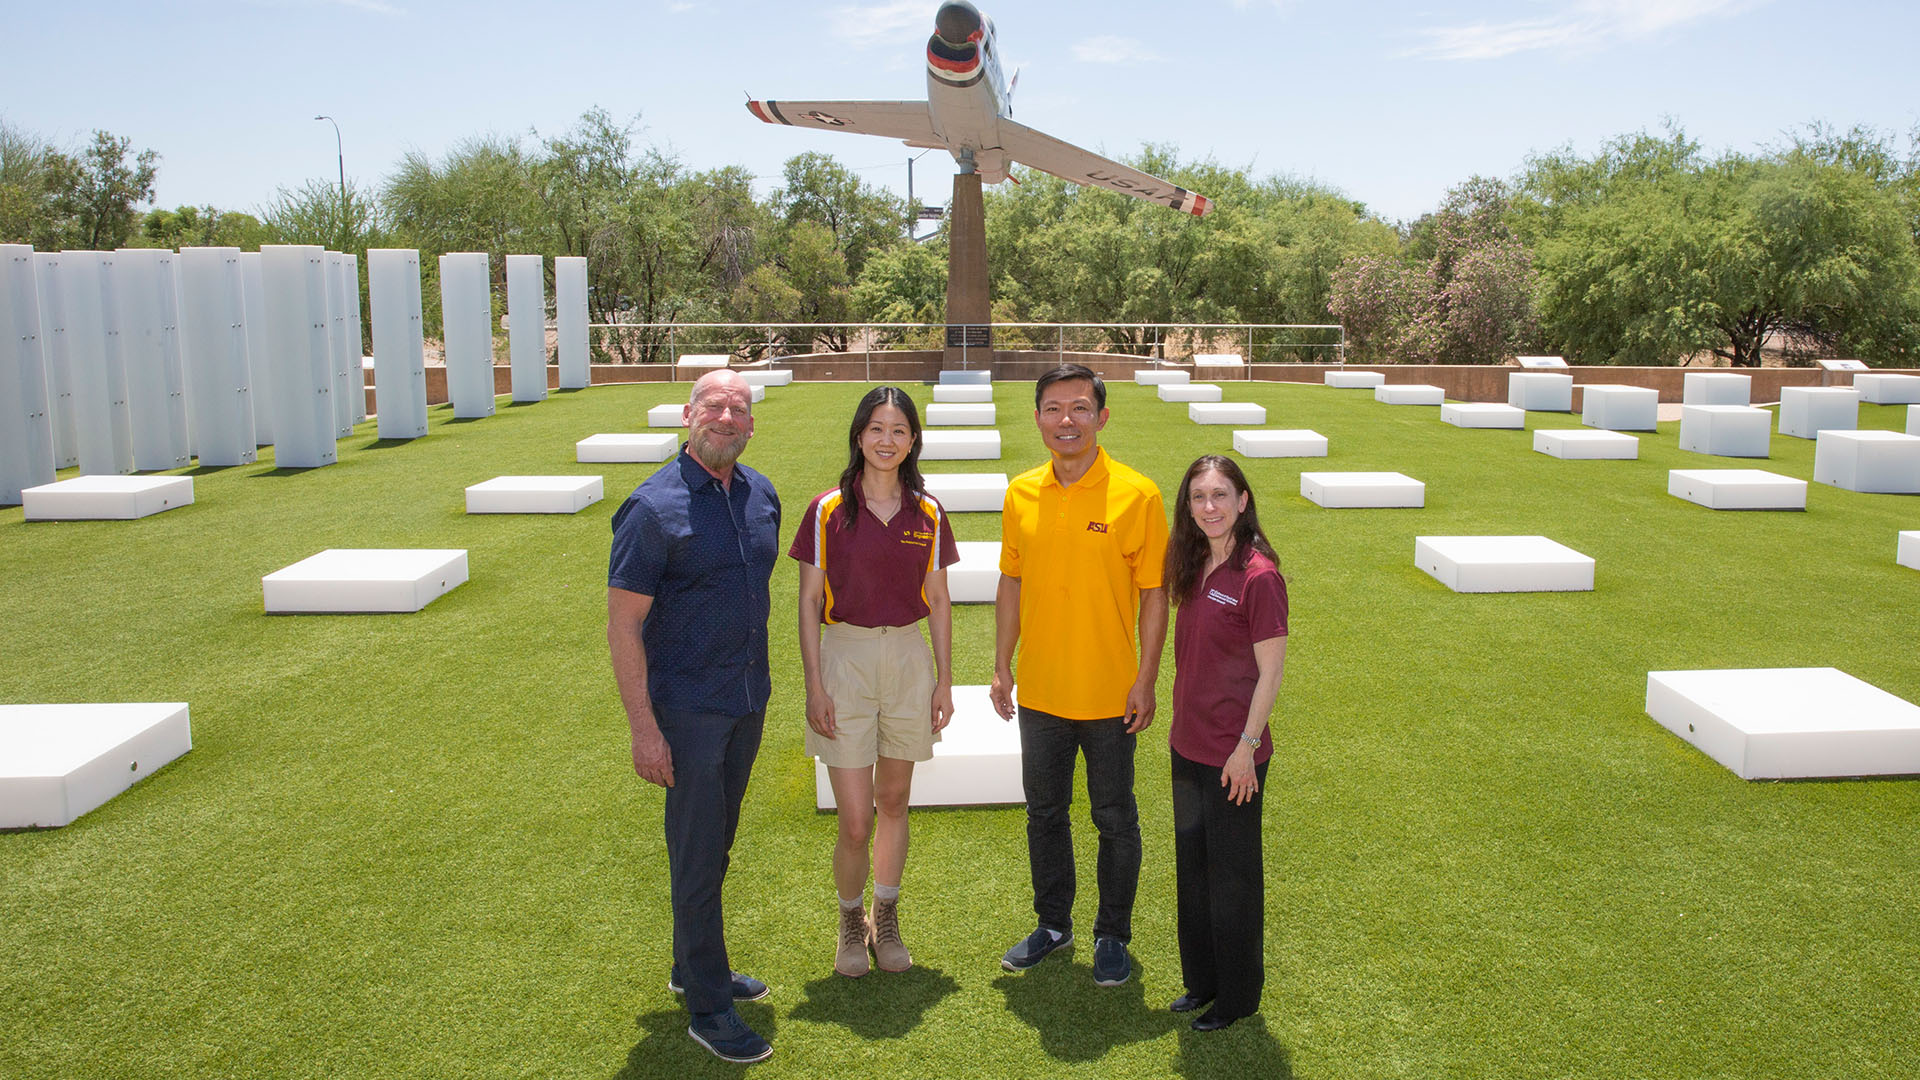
(1213, 667)
(876, 570)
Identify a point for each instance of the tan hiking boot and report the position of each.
(888, 950)
(851, 958)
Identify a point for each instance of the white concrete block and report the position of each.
(1806, 411)
(147, 324)
(756, 394)
(963, 395)
(400, 365)
(1538, 363)
(959, 446)
(1716, 388)
(1226, 412)
(1483, 415)
(1409, 394)
(570, 321)
(1162, 377)
(1182, 393)
(26, 427)
(1620, 408)
(671, 414)
(533, 495)
(1725, 430)
(1339, 490)
(360, 581)
(343, 353)
(299, 351)
(1737, 489)
(975, 579)
(768, 376)
(955, 377)
(213, 348)
(626, 447)
(1297, 442)
(1878, 461)
(1540, 391)
(527, 326)
(963, 493)
(1230, 362)
(1782, 723)
(975, 763)
(1882, 389)
(1580, 443)
(1913, 419)
(59, 761)
(1908, 552)
(950, 414)
(701, 361)
(1355, 380)
(106, 498)
(1503, 564)
(466, 308)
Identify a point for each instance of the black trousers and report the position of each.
(1221, 888)
(1050, 747)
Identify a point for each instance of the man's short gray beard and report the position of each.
(716, 454)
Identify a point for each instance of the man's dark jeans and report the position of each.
(712, 757)
(1049, 747)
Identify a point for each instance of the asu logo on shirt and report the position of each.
(916, 537)
(1097, 526)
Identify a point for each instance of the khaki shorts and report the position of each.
(881, 681)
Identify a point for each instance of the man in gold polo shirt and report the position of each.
(1082, 543)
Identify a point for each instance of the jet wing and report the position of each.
(908, 121)
(1069, 162)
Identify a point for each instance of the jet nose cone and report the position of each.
(957, 22)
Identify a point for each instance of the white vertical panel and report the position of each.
(399, 348)
(26, 431)
(570, 320)
(466, 316)
(294, 292)
(344, 357)
(213, 343)
(527, 327)
(53, 346)
(259, 363)
(102, 439)
(143, 289)
(350, 268)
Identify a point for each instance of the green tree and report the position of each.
(94, 195)
(202, 226)
(860, 218)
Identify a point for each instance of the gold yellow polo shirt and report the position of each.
(1082, 554)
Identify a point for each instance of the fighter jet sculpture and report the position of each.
(968, 113)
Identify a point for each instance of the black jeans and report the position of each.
(1221, 888)
(712, 757)
(1049, 747)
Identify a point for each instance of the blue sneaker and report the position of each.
(1034, 948)
(1111, 964)
(729, 1038)
(745, 987)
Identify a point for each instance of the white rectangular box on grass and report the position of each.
(701, 362)
(959, 446)
(1354, 380)
(1586, 444)
(1224, 363)
(1886, 389)
(975, 579)
(106, 498)
(957, 377)
(1296, 442)
(1737, 489)
(968, 492)
(963, 395)
(1873, 460)
(1806, 411)
(364, 581)
(1788, 723)
(533, 495)
(1484, 414)
(1908, 551)
(1620, 408)
(756, 394)
(768, 376)
(1503, 564)
(1226, 412)
(670, 414)
(1343, 490)
(626, 447)
(950, 414)
(1716, 388)
(975, 763)
(1540, 391)
(1162, 377)
(1725, 430)
(59, 761)
(1913, 419)
(1184, 393)
(1409, 394)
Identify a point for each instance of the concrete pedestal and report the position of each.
(975, 579)
(1806, 411)
(975, 763)
(1298, 442)
(1355, 380)
(956, 377)
(959, 446)
(533, 495)
(1908, 551)
(57, 762)
(1226, 412)
(1888, 389)
(1874, 461)
(364, 581)
(1788, 723)
(1162, 377)
(963, 395)
(1580, 443)
(694, 365)
(1725, 430)
(1409, 394)
(942, 414)
(1483, 415)
(961, 493)
(626, 447)
(105, 498)
(1737, 489)
(1503, 564)
(1620, 408)
(671, 414)
(1185, 393)
(1540, 391)
(1341, 490)
(767, 376)
(1716, 388)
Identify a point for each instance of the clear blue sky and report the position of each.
(1390, 102)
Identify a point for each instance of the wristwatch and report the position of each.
(1250, 740)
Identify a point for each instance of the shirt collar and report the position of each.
(694, 474)
(1096, 471)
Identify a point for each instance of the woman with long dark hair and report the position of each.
(873, 554)
(1229, 652)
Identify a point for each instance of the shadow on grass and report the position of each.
(665, 1048)
(209, 470)
(1245, 1049)
(285, 471)
(883, 1005)
(1077, 1020)
(387, 444)
(467, 419)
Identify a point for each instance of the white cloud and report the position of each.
(1580, 24)
(1109, 49)
(375, 6)
(877, 24)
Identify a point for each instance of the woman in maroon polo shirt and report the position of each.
(873, 554)
(1229, 650)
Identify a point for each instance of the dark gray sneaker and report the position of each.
(745, 987)
(1111, 964)
(729, 1038)
(1034, 948)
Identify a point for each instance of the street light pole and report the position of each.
(340, 151)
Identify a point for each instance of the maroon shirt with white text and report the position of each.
(1214, 671)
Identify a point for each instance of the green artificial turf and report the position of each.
(413, 845)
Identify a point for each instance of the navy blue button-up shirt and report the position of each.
(705, 554)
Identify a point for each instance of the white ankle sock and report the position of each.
(850, 905)
(886, 893)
